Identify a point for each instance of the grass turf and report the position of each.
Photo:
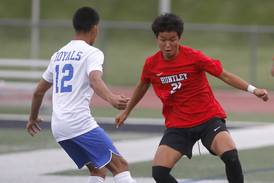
(258, 166)
(144, 113)
(18, 140)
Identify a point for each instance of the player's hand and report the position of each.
(33, 126)
(119, 101)
(119, 120)
(261, 93)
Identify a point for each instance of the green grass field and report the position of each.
(18, 140)
(258, 163)
(247, 12)
(258, 166)
(144, 113)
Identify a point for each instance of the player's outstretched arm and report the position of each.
(37, 98)
(241, 84)
(138, 93)
(101, 89)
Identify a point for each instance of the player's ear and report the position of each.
(95, 29)
(93, 33)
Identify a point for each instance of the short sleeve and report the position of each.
(145, 73)
(208, 64)
(95, 61)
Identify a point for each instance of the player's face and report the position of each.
(169, 43)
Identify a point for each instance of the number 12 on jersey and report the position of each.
(63, 75)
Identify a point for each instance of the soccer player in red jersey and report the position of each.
(178, 76)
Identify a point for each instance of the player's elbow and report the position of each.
(95, 78)
(94, 82)
(225, 76)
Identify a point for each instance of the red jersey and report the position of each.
(182, 86)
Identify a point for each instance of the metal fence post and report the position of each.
(35, 31)
(164, 6)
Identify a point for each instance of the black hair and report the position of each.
(84, 19)
(168, 22)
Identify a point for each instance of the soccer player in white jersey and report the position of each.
(75, 73)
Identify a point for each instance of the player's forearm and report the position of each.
(37, 97)
(138, 94)
(99, 86)
(234, 80)
(101, 89)
(36, 104)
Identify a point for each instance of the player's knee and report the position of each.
(124, 164)
(160, 173)
(117, 165)
(230, 157)
(99, 173)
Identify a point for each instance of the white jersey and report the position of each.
(68, 72)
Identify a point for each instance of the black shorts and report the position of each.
(183, 139)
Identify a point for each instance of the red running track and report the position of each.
(231, 100)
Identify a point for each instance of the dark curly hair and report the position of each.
(84, 19)
(167, 23)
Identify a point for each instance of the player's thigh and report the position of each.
(222, 142)
(117, 164)
(166, 156)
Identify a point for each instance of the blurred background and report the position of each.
(239, 33)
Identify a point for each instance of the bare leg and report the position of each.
(164, 160)
(96, 175)
(222, 142)
(117, 165)
(119, 168)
